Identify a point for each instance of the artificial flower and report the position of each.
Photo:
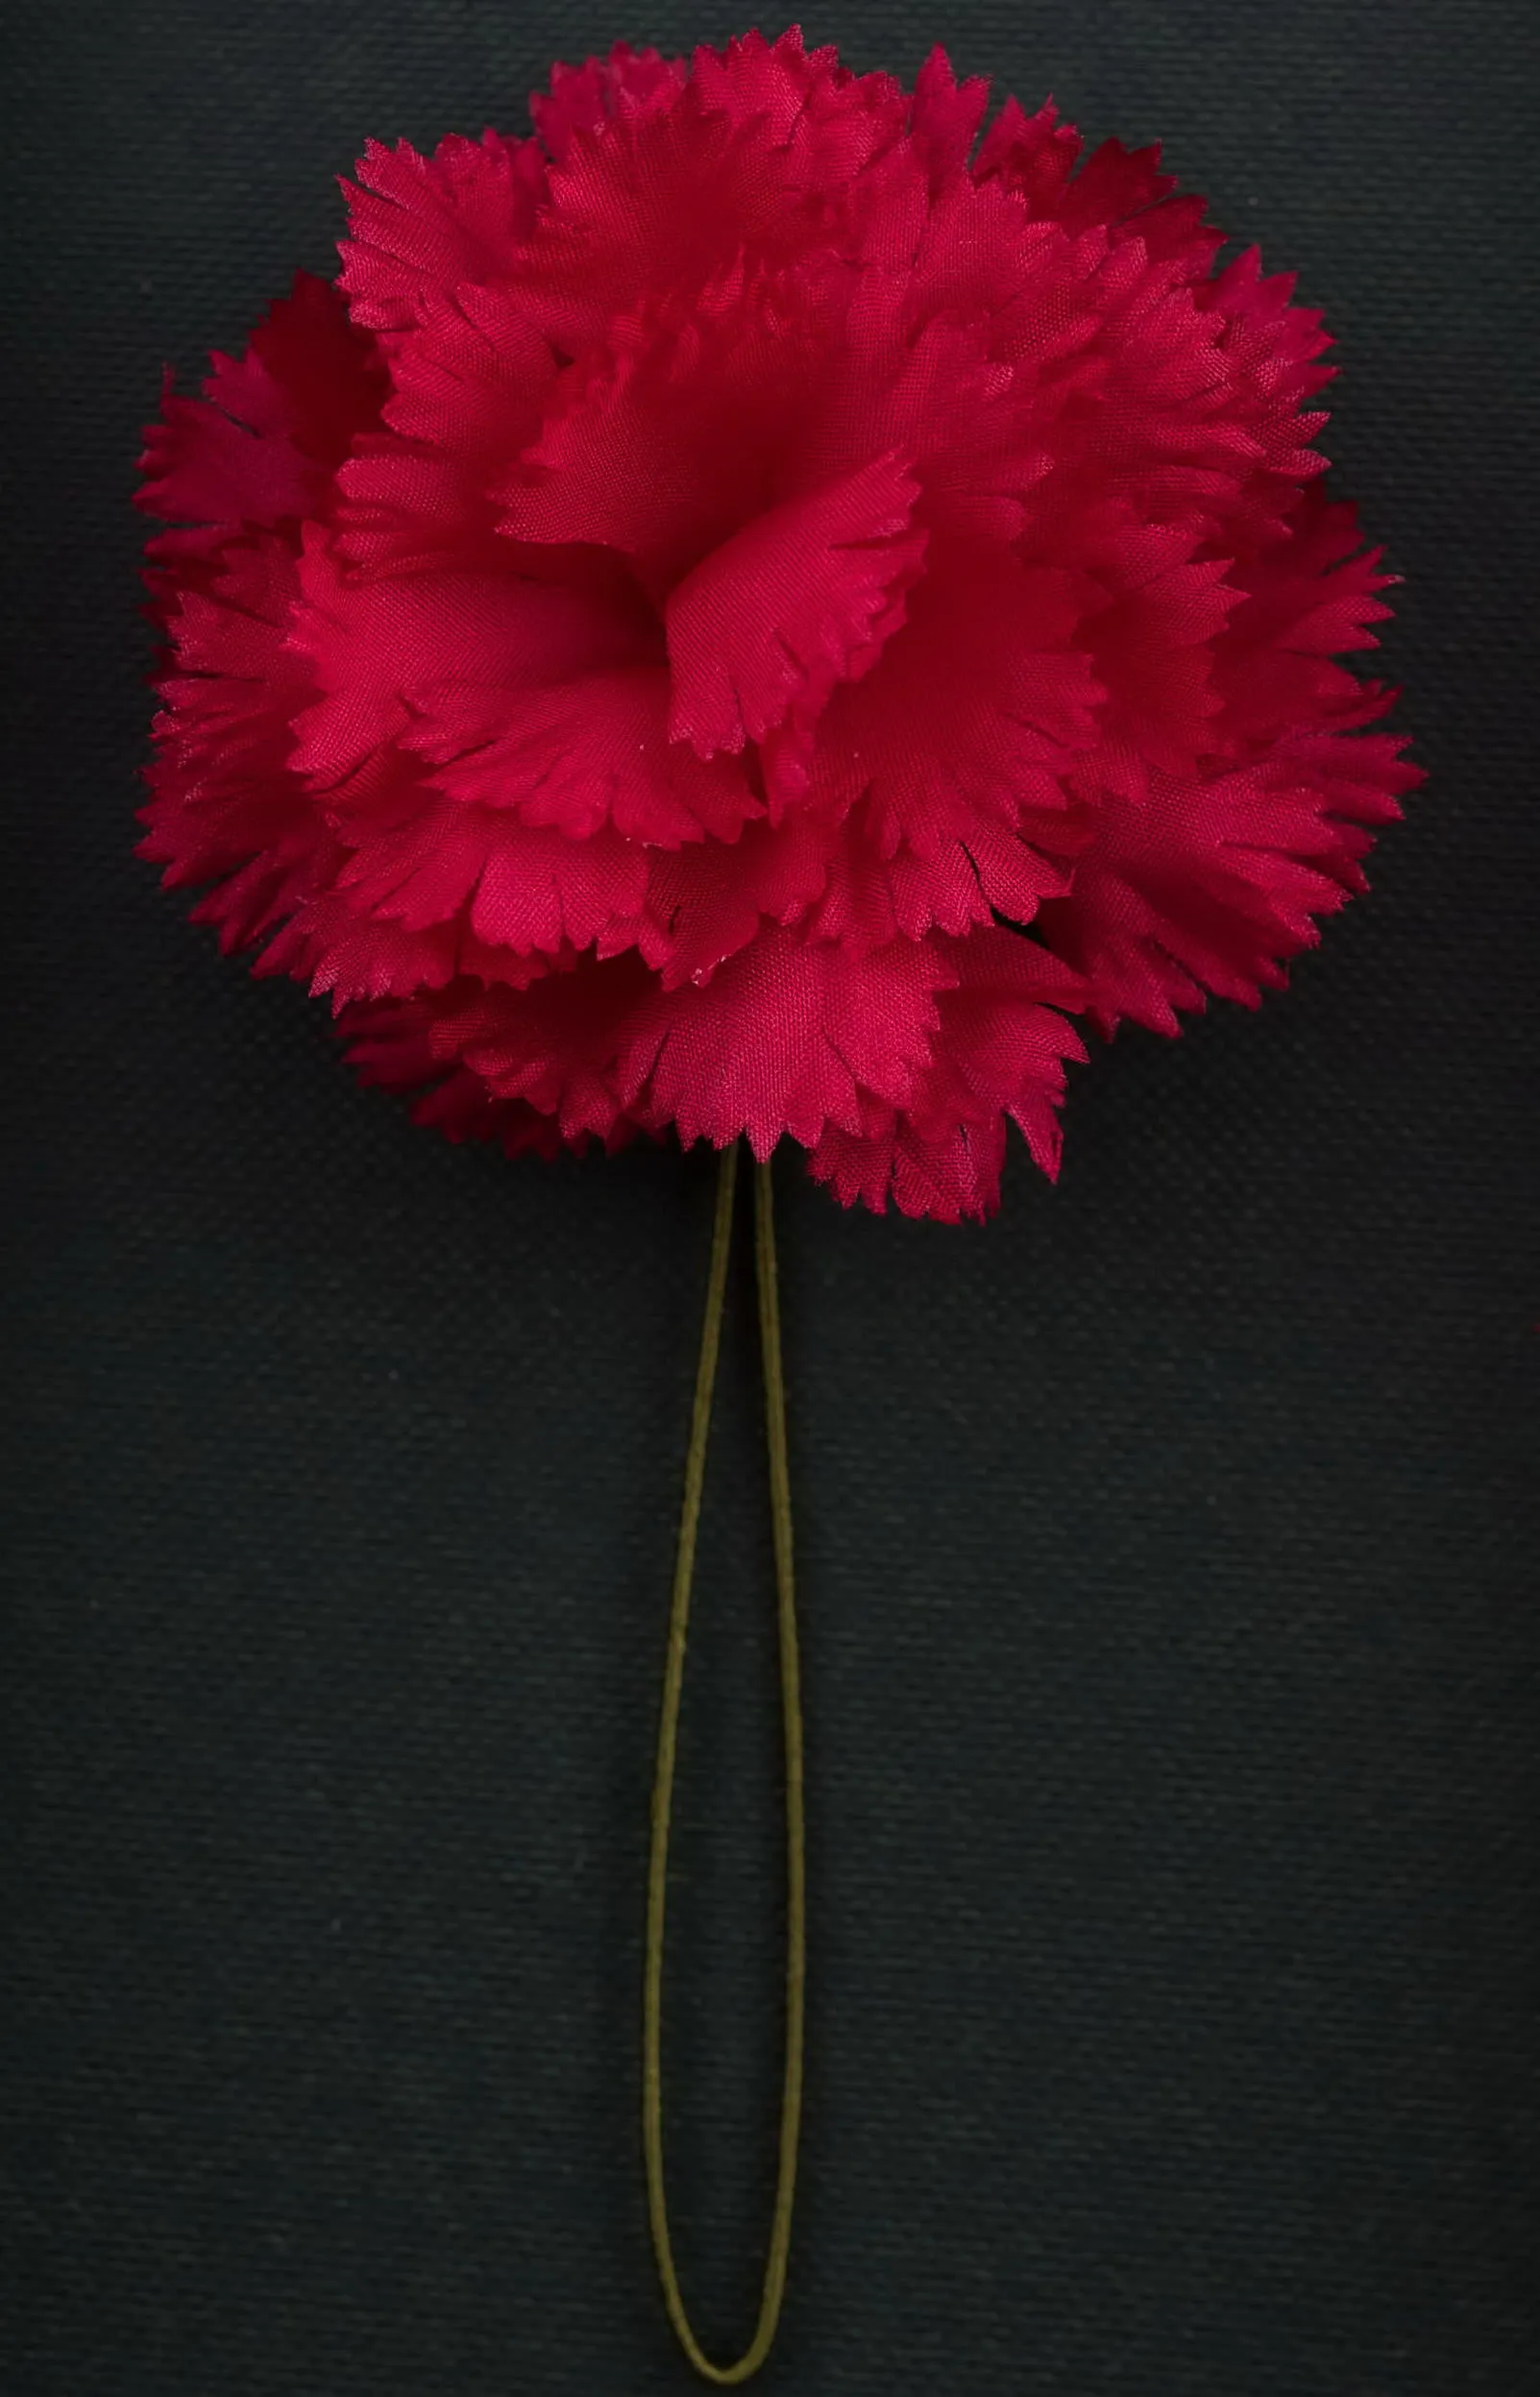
(748, 611)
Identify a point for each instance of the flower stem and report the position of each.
(773, 2286)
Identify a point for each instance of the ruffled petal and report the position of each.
(584, 99)
(661, 444)
(802, 598)
(472, 378)
(962, 734)
(1152, 649)
(577, 754)
(226, 811)
(377, 651)
(419, 227)
(746, 162)
(1000, 1052)
(944, 117)
(262, 444)
(705, 904)
(1307, 598)
(549, 1049)
(785, 1038)
(1210, 886)
(517, 887)
(1032, 156)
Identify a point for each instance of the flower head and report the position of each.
(746, 610)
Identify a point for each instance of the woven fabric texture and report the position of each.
(1167, 1548)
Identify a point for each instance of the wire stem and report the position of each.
(773, 2286)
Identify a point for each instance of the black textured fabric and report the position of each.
(1168, 1549)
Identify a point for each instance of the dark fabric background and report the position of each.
(1167, 1548)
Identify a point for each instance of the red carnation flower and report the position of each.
(652, 634)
